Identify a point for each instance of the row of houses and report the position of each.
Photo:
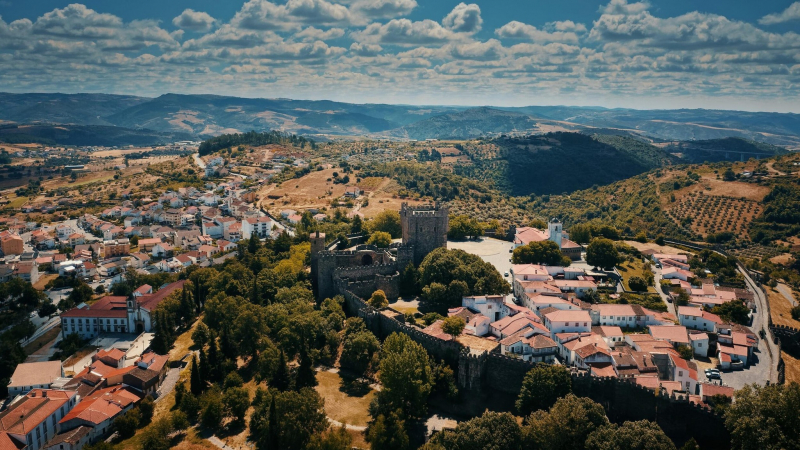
(52, 412)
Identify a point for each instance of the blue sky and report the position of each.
(727, 54)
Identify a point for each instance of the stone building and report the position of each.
(367, 268)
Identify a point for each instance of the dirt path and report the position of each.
(770, 167)
(787, 292)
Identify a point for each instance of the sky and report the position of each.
(653, 54)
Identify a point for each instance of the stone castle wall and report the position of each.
(492, 372)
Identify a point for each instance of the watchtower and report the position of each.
(424, 228)
(317, 246)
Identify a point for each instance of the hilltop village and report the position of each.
(122, 308)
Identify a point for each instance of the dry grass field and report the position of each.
(655, 247)
(792, 368)
(339, 405)
(780, 309)
(310, 191)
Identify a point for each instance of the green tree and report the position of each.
(333, 439)
(156, 436)
(306, 376)
(190, 406)
(464, 226)
(356, 224)
(565, 426)
(388, 431)
(179, 420)
(637, 283)
(235, 401)
(280, 380)
(146, 407)
(378, 300)
(409, 281)
(196, 383)
(380, 239)
(212, 409)
(542, 386)
(733, 311)
(442, 267)
(683, 298)
(405, 375)
(200, 335)
(764, 417)
(729, 175)
(297, 417)
(127, 423)
(387, 221)
(358, 351)
(538, 252)
(453, 326)
(491, 431)
(640, 435)
(602, 252)
(580, 233)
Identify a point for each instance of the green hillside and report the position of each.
(559, 162)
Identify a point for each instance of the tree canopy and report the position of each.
(639, 435)
(542, 386)
(463, 226)
(602, 253)
(406, 376)
(540, 252)
(765, 417)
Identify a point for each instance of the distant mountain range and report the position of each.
(201, 116)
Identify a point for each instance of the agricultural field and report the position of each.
(706, 214)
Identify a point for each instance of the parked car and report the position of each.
(505, 274)
(713, 374)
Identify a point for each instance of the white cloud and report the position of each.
(365, 49)
(622, 7)
(519, 30)
(315, 34)
(790, 13)
(405, 32)
(379, 9)
(566, 25)
(194, 20)
(464, 18)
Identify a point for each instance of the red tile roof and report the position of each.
(102, 405)
(151, 301)
(27, 413)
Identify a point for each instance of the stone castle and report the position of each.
(367, 268)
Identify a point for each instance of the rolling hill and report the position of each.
(211, 115)
(87, 135)
(727, 149)
(468, 124)
(560, 162)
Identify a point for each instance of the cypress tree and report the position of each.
(205, 366)
(280, 380)
(274, 433)
(196, 381)
(214, 363)
(306, 377)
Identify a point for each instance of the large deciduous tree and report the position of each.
(540, 252)
(565, 426)
(765, 417)
(542, 386)
(602, 253)
(639, 435)
(406, 376)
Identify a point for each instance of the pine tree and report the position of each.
(196, 381)
(280, 380)
(253, 244)
(274, 433)
(306, 377)
(255, 297)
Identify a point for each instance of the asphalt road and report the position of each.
(664, 297)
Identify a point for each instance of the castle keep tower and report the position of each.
(424, 228)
